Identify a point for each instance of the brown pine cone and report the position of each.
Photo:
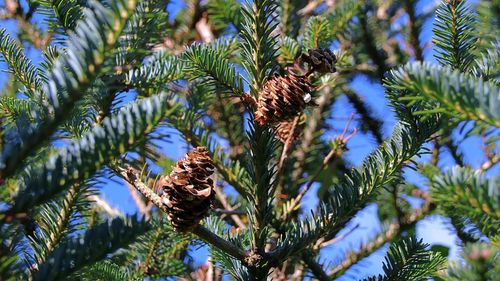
(284, 130)
(188, 190)
(321, 60)
(282, 98)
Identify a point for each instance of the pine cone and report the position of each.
(282, 98)
(319, 60)
(188, 190)
(284, 130)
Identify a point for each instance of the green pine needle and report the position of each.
(408, 259)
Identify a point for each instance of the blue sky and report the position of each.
(434, 229)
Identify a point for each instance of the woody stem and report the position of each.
(132, 176)
(224, 245)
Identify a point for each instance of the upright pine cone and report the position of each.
(282, 98)
(321, 60)
(188, 190)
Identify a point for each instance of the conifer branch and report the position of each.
(208, 64)
(160, 69)
(369, 42)
(84, 157)
(455, 35)
(469, 98)
(317, 33)
(132, 176)
(357, 188)
(474, 195)
(153, 244)
(223, 11)
(96, 37)
(259, 53)
(259, 45)
(314, 124)
(335, 153)
(64, 14)
(343, 14)
(93, 246)
(481, 263)
(393, 231)
(56, 231)
(415, 28)
(316, 268)
(289, 19)
(225, 246)
(22, 68)
(408, 259)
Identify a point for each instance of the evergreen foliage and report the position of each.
(101, 93)
(454, 35)
(409, 260)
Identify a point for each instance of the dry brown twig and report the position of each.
(312, 5)
(143, 208)
(132, 176)
(490, 162)
(321, 243)
(492, 158)
(340, 145)
(204, 29)
(227, 207)
(287, 146)
(105, 206)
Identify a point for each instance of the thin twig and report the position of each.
(373, 124)
(490, 163)
(313, 125)
(230, 212)
(144, 209)
(365, 250)
(341, 142)
(286, 146)
(204, 30)
(322, 244)
(228, 209)
(310, 7)
(492, 158)
(395, 205)
(453, 149)
(132, 176)
(104, 206)
(435, 153)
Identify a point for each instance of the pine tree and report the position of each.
(250, 88)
